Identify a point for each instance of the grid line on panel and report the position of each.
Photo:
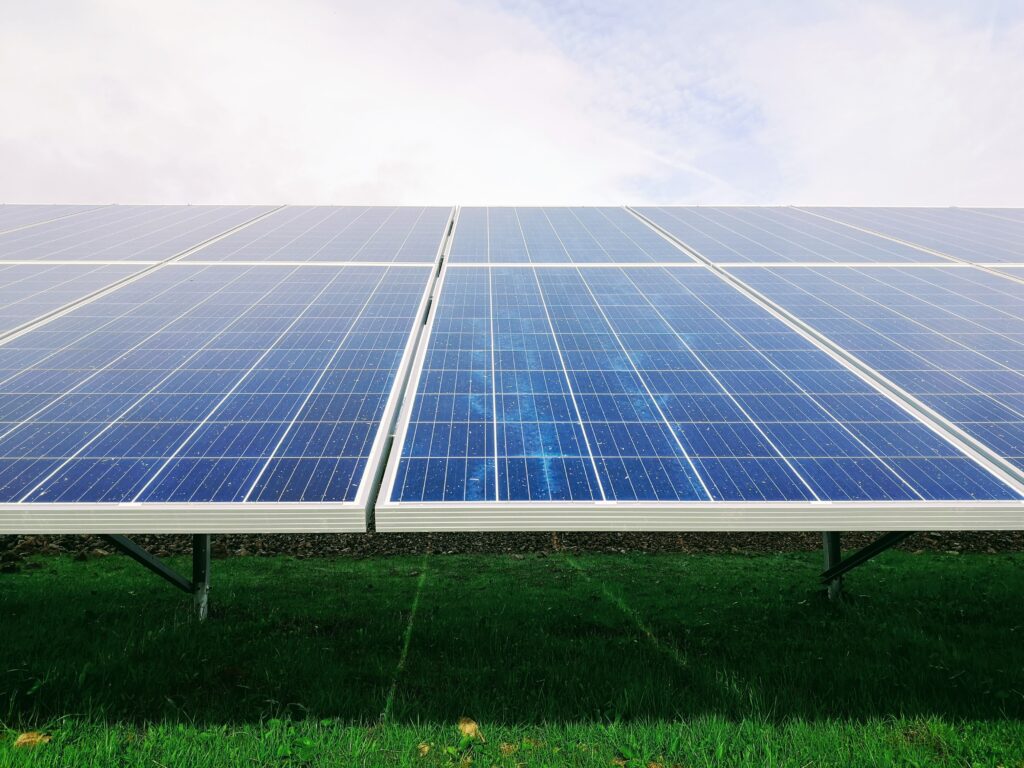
(341, 234)
(740, 459)
(725, 389)
(325, 390)
(643, 382)
(978, 451)
(557, 235)
(11, 221)
(238, 383)
(945, 257)
(116, 232)
(870, 425)
(954, 233)
(155, 387)
(803, 390)
(316, 386)
(756, 235)
(967, 384)
(34, 289)
(561, 359)
(65, 392)
(15, 373)
(1009, 214)
(494, 379)
(126, 280)
(568, 383)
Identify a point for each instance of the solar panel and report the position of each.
(17, 216)
(205, 384)
(958, 232)
(146, 233)
(764, 235)
(1011, 214)
(28, 291)
(951, 336)
(558, 235)
(597, 386)
(335, 234)
(571, 368)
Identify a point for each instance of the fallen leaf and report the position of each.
(423, 748)
(508, 749)
(468, 727)
(653, 764)
(32, 739)
(619, 761)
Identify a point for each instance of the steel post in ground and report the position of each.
(201, 573)
(833, 554)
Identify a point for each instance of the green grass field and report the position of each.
(564, 660)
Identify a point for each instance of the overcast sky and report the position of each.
(523, 101)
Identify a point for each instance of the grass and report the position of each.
(565, 660)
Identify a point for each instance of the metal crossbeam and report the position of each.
(861, 556)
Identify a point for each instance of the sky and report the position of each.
(512, 102)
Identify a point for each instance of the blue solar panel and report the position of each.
(558, 235)
(958, 232)
(951, 336)
(128, 232)
(650, 384)
(329, 234)
(762, 235)
(15, 216)
(208, 384)
(28, 291)
(1010, 214)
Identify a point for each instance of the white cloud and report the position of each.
(884, 106)
(301, 102)
(453, 101)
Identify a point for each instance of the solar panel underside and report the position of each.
(29, 291)
(146, 233)
(765, 235)
(558, 235)
(17, 216)
(951, 336)
(335, 234)
(963, 233)
(644, 397)
(208, 385)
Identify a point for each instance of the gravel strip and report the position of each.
(15, 548)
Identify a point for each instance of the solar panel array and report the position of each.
(324, 368)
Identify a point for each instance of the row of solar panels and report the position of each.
(242, 368)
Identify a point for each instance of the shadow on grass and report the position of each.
(537, 640)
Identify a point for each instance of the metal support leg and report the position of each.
(198, 587)
(201, 573)
(833, 555)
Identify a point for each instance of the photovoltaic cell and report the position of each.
(762, 235)
(15, 216)
(125, 232)
(558, 235)
(207, 384)
(618, 384)
(1011, 214)
(330, 234)
(28, 291)
(951, 336)
(959, 232)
